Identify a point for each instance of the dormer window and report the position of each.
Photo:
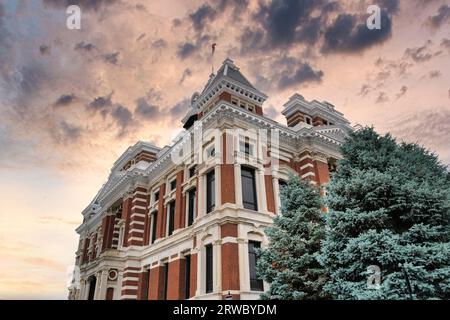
(234, 101)
(308, 120)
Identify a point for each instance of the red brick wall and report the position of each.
(177, 282)
(193, 282)
(126, 209)
(270, 196)
(230, 258)
(156, 290)
(322, 172)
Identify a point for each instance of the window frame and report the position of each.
(247, 204)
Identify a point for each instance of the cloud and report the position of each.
(402, 92)
(434, 74)
(83, 4)
(101, 103)
(186, 74)
(112, 58)
(159, 44)
(302, 75)
(180, 109)
(446, 44)
(440, 18)
(64, 133)
(422, 53)
(46, 263)
(350, 34)
(44, 49)
(145, 110)
(201, 16)
(185, 50)
(65, 100)
(382, 98)
(122, 116)
(82, 46)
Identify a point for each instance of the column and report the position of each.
(238, 184)
(230, 263)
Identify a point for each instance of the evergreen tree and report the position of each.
(389, 206)
(290, 264)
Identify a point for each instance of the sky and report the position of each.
(71, 101)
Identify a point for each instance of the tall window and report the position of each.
(154, 225)
(171, 221)
(255, 283)
(156, 196)
(187, 275)
(209, 268)
(248, 189)
(166, 279)
(210, 191)
(191, 205)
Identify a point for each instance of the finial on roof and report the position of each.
(230, 63)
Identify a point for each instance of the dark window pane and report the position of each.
(166, 279)
(210, 192)
(156, 196)
(154, 224)
(192, 171)
(191, 205)
(173, 185)
(171, 217)
(255, 283)
(248, 189)
(187, 277)
(209, 268)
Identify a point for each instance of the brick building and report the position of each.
(183, 221)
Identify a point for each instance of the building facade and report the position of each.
(183, 221)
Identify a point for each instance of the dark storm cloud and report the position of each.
(281, 20)
(285, 23)
(112, 58)
(187, 49)
(201, 16)
(445, 44)
(302, 75)
(83, 4)
(101, 103)
(441, 17)
(64, 100)
(44, 49)
(180, 109)
(82, 46)
(145, 110)
(350, 34)
(122, 116)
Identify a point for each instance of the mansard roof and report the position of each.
(313, 108)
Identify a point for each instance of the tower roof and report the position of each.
(230, 70)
